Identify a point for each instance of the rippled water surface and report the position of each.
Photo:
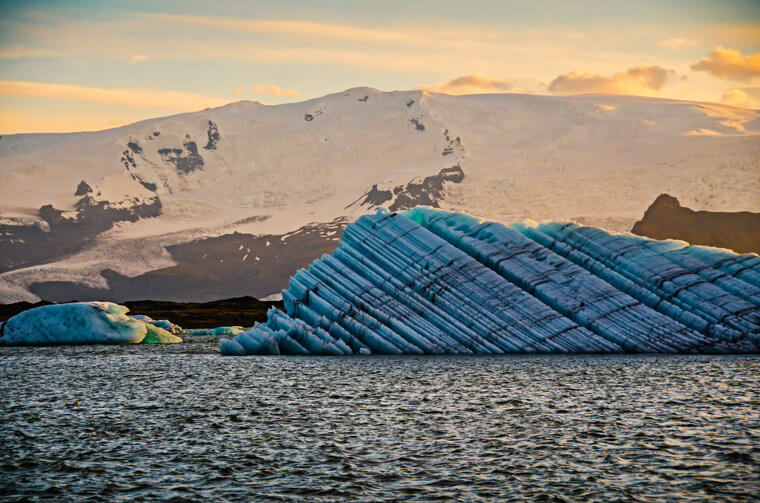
(179, 422)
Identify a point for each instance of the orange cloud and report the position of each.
(744, 97)
(472, 84)
(123, 97)
(422, 37)
(641, 80)
(676, 43)
(19, 52)
(138, 58)
(13, 122)
(729, 64)
(268, 90)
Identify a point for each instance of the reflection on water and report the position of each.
(180, 422)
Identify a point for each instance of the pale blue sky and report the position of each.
(96, 64)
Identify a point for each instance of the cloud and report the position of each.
(729, 64)
(124, 97)
(677, 43)
(472, 84)
(292, 28)
(138, 58)
(19, 52)
(743, 97)
(21, 121)
(641, 80)
(267, 90)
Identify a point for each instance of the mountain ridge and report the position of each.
(272, 170)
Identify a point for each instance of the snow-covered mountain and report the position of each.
(230, 201)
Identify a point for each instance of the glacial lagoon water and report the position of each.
(181, 423)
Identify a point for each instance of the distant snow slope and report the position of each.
(163, 197)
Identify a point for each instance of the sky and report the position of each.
(90, 65)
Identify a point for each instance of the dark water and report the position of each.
(182, 423)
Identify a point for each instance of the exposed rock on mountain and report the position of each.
(667, 219)
(185, 161)
(427, 192)
(83, 189)
(213, 136)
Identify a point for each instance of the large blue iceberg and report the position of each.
(81, 323)
(427, 281)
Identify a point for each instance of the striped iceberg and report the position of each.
(428, 281)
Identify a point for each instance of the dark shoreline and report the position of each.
(242, 311)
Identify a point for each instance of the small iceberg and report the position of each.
(165, 324)
(214, 332)
(81, 323)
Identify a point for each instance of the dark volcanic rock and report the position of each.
(242, 311)
(10, 310)
(417, 123)
(213, 136)
(454, 144)
(374, 197)
(25, 245)
(135, 147)
(667, 219)
(83, 188)
(232, 265)
(427, 192)
(185, 160)
(128, 159)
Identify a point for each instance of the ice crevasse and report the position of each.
(427, 281)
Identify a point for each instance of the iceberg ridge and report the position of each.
(427, 281)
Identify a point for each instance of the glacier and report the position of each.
(428, 281)
(82, 323)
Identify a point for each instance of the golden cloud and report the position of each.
(267, 90)
(729, 64)
(677, 43)
(640, 80)
(748, 97)
(422, 37)
(19, 52)
(138, 58)
(123, 97)
(15, 121)
(472, 84)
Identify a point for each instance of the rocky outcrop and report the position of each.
(213, 136)
(185, 160)
(83, 189)
(417, 123)
(667, 219)
(428, 192)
